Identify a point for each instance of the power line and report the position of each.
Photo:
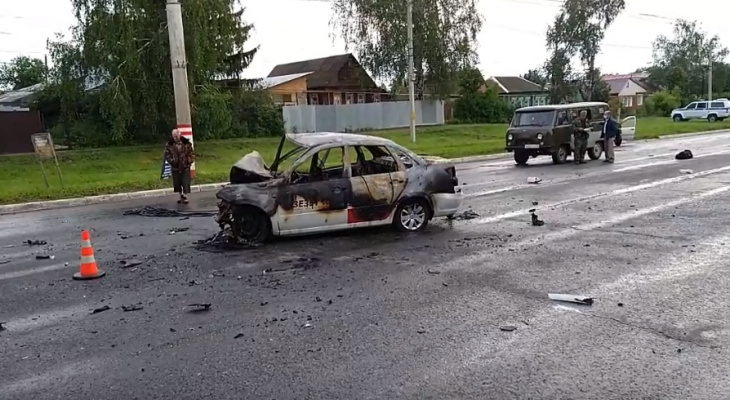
(535, 33)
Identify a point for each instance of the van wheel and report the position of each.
(712, 117)
(561, 154)
(521, 157)
(595, 152)
(251, 224)
(677, 118)
(412, 215)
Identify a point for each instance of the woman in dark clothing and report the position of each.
(180, 155)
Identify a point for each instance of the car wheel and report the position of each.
(412, 215)
(561, 154)
(521, 157)
(594, 153)
(677, 118)
(712, 117)
(618, 140)
(251, 224)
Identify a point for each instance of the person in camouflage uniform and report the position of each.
(580, 137)
(180, 155)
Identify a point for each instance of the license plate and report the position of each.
(532, 146)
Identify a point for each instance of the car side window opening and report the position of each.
(405, 158)
(692, 106)
(322, 166)
(717, 105)
(562, 119)
(372, 160)
(701, 106)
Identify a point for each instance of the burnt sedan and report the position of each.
(322, 182)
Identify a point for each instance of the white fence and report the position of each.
(361, 117)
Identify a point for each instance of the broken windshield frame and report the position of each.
(541, 119)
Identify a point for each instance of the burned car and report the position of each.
(323, 182)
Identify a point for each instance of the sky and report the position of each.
(511, 42)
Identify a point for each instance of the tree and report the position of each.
(578, 30)
(537, 75)
(444, 37)
(122, 50)
(22, 72)
(681, 62)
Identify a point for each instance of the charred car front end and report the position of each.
(333, 181)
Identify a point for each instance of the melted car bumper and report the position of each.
(446, 204)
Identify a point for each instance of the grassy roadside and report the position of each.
(114, 170)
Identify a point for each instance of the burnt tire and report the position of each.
(521, 157)
(560, 155)
(412, 215)
(251, 224)
(595, 152)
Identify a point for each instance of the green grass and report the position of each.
(653, 127)
(114, 170)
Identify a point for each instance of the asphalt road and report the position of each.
(378, 315)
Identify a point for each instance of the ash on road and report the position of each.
(458, 312)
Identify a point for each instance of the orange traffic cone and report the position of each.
(89, 269)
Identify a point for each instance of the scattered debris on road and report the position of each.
(238, 336)
(130, 263)
(686, 171)
(620, 304)
(684, 155)
(508, 328)
(569, 298)
(535, 220)
(44, 257)
(148, 211)
(2, 326)
(421, 331)
(223, 241)
(177, 230)
(30, 242)
(135, 307)
(434, 272)
(466, 215)
(199, 307)
(307, 325)
(4, 262)
(216, 274)
(100, 309)
(534, 179)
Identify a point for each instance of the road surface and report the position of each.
(378, 315)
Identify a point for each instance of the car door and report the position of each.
(628, 128)
(316, 197)
(376, 176)
(690, 111)
(701, 111)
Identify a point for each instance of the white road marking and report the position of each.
(56, 376)
(629, 189)
(32, 271)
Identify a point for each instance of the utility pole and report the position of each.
(411, 79)
(179, 72)
(709, 82)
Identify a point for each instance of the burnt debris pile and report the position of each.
(223, 241)
(148, 211)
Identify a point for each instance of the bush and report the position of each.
(255, 115)
(662, 103)
(482, 108)
(212, 118)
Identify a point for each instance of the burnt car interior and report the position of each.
(324, 165)
(372, 160)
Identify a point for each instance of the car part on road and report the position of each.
(686, 171)
(535, 220)
(534, 179)
(569, 298)
(148, 211)
(100, 309)
(176, 230)
(3, 262)
(44, 257)
(468, 214)
(238, 336)
(130, 263)
(508, 328)
(223, 241)
(30, 242)
(135, 307)
(2, 326)
(434, 272)
(684, 155)
(199, 307)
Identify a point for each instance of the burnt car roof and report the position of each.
(568, 106)
(320, 138)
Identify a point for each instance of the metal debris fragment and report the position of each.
(466, 215)
(238, 336)
(571, 298)
(100, 309)
(44, 257)
(535, 220)
(2, 326)
(177, 230)
(433, 272)
(4, 262)
(684, 155)
(507, 328)
(686, 171)
(30, 242)
(130, 263)
(223, 241)
(135, 307)
(534, 179)
(149, 211)
(200, 307)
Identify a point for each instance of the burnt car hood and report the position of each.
(254, 163)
